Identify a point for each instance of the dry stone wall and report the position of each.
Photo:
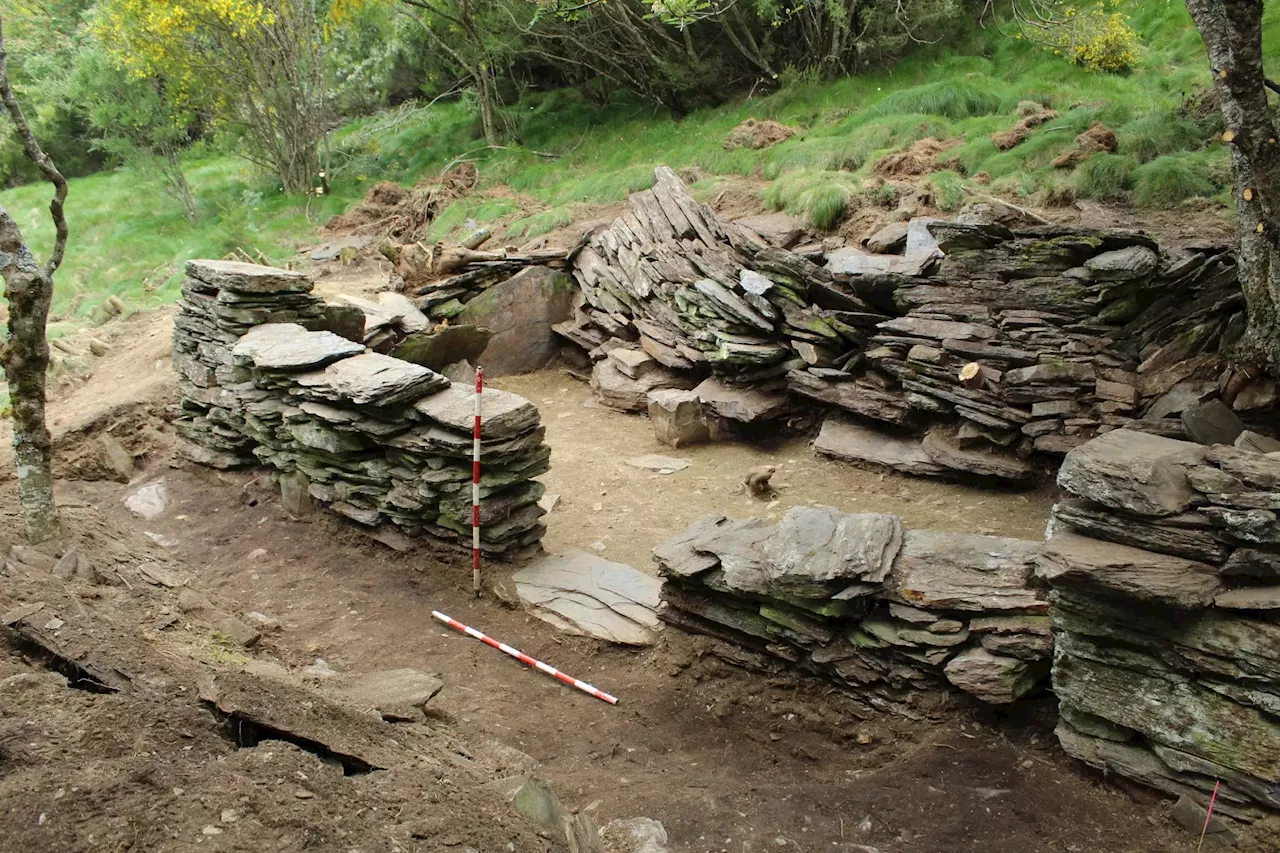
(379, 440)
(891, 615)
(1165, 572)
(981, 349)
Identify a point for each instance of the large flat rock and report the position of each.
(813, 552)
(248, 278)
(958, 571)
(941, 445)
(842, 438)
(741, 403)
(438, 350)
(288, 346)
(816, 550)
(502, 415)
(521, 312)
(677, 557)
(777, 228)
(1132, 471)
(1069, 558)
(585, 594)
(372, 379)
(619, 391)
(398, 695)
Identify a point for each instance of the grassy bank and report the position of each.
(128, 239)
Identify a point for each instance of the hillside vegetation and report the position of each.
(129, 239)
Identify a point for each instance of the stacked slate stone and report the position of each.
(221, 300)
(380, 439)
(377, 439)
(699, 294)
(1030, 342)
(445, 298)
(1165, 574)
(888, 614)
(990, 351)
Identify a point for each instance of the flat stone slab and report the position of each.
(585, 594)
(660, 464)
(502, 414)
(399, 695)
(677, 557)
(288, 346)
(438, 350)
(148, 502)
(816, 550)
(1072, 559)
(992, 678)
(841, 438)
(941, 445)
(372, 379)
(1250, 598)
(744, 404)
(1133, 471)
(959, 571)
(776, 228)
(248, 278)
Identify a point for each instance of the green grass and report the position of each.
(1169, 181)
(130, 240)
(1104, 177)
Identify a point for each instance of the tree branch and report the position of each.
(42, 161)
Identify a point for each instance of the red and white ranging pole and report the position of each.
(475, 489)
(525, 659)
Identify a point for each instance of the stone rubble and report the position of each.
(996, 351)
(886, 613)
(376, 439)
(1165, 572)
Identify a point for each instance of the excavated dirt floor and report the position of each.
(730, 762)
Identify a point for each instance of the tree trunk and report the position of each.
(1232, 33)
(29, 289)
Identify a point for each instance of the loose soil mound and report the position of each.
(1032, 118)
(920, 159)
(403, 214)
(1098, 139)
(758, 134)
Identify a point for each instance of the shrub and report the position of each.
(1103, 42)
(1104, 177)
(1167, 181)
(1095, 39)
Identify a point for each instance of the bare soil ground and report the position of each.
(731, 762)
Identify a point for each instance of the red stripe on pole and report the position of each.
(525, 659)
(475, 487)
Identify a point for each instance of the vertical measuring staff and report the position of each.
(475, 488)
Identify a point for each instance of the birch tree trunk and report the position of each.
(25, 356)
(1232, 33)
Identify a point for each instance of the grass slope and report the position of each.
(128, 239)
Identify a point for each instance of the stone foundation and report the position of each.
(376, 439)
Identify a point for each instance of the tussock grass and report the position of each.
(1170, 180)
(951, 99)
(820, 197)
(1104, 177)
(1157, 134)
(948, 190)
